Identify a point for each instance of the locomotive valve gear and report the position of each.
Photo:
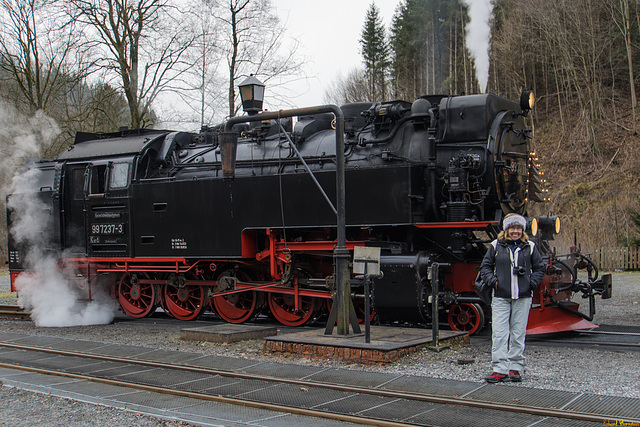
(226, 283)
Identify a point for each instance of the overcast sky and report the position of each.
(329, 33)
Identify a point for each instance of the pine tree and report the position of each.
(428, 49)
(375, 53)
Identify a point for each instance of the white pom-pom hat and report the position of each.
(514, 220)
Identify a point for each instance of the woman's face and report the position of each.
(514, 232)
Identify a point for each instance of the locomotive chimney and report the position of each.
(228, 147)
(252, 94)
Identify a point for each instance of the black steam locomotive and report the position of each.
(151, 213)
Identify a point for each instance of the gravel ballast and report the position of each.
(576, 369)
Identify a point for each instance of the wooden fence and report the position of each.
(616, 259)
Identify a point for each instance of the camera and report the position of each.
(518, 270)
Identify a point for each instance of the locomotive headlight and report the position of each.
(532, 226)
(550, 224)
(527, 100)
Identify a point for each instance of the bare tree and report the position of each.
(560, 48)
(142, 43)
(202, 98)
(352, 88)
(622, 18)
(34, 51)
(252, 42)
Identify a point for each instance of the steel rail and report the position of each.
(447, 400)
(12, 310)
(596, 332)
(596, 343)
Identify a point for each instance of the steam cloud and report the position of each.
(46, 291)
(478, 36)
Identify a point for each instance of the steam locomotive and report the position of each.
(150, 213)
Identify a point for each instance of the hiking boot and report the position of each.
(515, 376)
(496, 378)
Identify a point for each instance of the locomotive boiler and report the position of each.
(152, 214)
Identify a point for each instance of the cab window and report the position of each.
(119, 175)
(98, 173)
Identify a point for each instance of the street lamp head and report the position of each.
(252, 94)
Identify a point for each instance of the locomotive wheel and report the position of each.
(466, 318)
(238, 307)
(137, 300)
(358, 305)
(283, 308)
(185, 303)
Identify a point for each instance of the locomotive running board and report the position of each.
(465, 224)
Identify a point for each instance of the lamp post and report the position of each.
(252, 94)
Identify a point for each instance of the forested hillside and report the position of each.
(580, 57)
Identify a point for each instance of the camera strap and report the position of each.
(515, 289)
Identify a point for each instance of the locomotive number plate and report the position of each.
(107, 229)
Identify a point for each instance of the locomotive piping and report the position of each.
(562, 306)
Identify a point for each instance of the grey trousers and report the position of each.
(509, 319)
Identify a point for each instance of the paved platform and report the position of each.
(387, 344)
(227, 333)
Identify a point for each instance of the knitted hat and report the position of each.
(514, 220)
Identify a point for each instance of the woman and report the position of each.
(514, 268)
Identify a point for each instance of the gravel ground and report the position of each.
(20, 408)
(591, 370)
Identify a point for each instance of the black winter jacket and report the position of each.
(497, 268)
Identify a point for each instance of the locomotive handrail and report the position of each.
(308, 169)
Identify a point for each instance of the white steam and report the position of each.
(53, 297)
(478, 36)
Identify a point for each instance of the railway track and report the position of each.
(61, 363)
(607, 336)
(13, 311)
(627, 339)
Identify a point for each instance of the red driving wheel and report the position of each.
(136, 299)
(283, 308)
(466, 317)
(237, 307)
(186, 302)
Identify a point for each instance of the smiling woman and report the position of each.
(514, 267)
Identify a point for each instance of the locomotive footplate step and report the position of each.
(387, 345)
(227, 333)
